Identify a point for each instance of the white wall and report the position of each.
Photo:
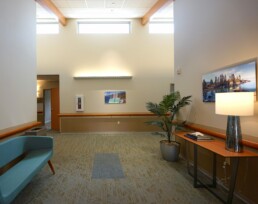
(210, 35)
(17, 63)
(149, 58)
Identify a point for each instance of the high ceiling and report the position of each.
(106, 9)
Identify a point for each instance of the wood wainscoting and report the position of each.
(107, 122)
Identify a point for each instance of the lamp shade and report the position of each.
(234, 103)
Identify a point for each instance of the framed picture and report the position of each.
(239, 77)
(115, 97)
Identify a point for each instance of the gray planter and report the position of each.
(170, 151)
(38, 131)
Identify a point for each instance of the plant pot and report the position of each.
(170, 151)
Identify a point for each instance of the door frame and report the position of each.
(49, 82)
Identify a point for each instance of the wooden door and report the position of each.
(55, 109)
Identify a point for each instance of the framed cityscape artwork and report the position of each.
(239, 77)
(115, 97)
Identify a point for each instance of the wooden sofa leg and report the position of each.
(51, 166)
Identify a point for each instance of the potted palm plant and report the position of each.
(166, 110)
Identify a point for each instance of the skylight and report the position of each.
(104, 27)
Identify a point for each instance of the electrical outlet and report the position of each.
(227, 160)
(118, 122)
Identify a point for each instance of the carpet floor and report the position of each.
(148, 179)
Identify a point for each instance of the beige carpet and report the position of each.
(148, 178)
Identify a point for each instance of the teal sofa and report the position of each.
(37, 152)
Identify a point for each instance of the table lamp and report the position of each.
(234, 104)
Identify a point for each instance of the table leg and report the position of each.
(195, 166)
(195, 173)
(214, 181)
(234, 168)
(187, 156)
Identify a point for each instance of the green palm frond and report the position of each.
(154, 108)
(181, 103)
(169, 101)
(167, 110)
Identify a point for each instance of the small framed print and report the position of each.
(115, 97)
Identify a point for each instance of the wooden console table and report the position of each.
(217, 148)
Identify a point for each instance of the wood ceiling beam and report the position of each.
(51, 7)
(156, 7)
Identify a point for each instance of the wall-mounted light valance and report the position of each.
(103, 77)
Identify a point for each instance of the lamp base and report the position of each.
(234, 135)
